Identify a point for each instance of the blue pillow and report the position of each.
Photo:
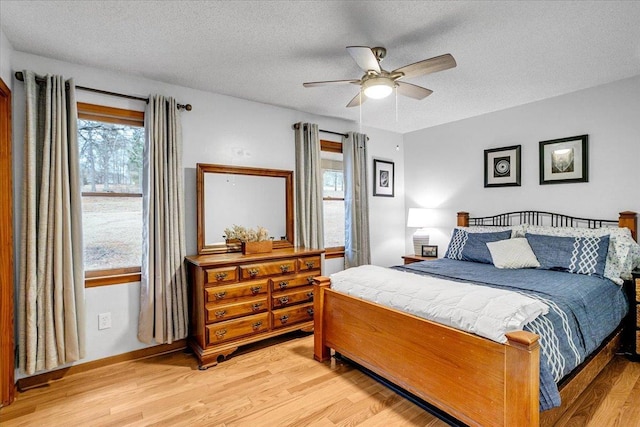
(580, 255)
(467, 246)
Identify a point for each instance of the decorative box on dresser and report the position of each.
(238, 299)
(633, 324)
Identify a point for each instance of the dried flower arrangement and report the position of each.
(243, 234)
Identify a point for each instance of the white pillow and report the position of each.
(513, 253)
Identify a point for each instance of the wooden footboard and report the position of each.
(478, 381)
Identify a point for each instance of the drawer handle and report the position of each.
(283, 319)
(310, 312)
(221, 295)
(253, 272)
(221, 276)
(284, 284)
(310, 265)
(310, 279)
(284, 300)
(221, 313)
(220, 333)
(256, 306)
(255, 289)
(284, 268)
(310, 295)
(257, 325)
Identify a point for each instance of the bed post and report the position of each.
(320, 350)
(522, 384)
(463, 219)
(629, 219)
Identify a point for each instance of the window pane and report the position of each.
(333, 223)
(110, 157)
(333, 185)
(112, 232)
(111, 172)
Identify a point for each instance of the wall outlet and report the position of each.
(104, 320)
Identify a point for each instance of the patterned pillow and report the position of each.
(517, 230)
(580, 255)
(465, 246)
(512, 253)
(623, 254)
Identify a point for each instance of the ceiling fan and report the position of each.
(377, 83)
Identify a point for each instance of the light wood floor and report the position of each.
(276, 385)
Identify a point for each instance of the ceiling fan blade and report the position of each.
(432, 65)
(364, 57)
(413, 91)
(330, 82)
(357, 100)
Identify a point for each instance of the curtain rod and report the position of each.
(297, 126)
(187, 107)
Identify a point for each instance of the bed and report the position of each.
(476, 380)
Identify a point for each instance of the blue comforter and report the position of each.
(583, 311)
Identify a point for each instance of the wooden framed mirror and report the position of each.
(250, 197)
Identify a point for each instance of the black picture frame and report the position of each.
(429, 251)
(564, 160)
(502, 167)
(383, 178)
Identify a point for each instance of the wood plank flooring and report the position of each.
(269, 385)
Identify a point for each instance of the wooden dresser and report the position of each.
(633, 325)
(238, 299)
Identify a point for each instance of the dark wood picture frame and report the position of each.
(564, 160)
(502, 167)
(429, 251)
(383, 178)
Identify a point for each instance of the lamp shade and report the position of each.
(418, 218)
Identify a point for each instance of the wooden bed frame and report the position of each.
(476, 380)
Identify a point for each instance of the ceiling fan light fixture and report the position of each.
(378, 87)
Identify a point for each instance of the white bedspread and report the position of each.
(481, 310)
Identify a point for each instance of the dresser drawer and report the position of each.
(637, 342)
(220, 312)
(309, 263)
(284, 283)
(221, 275)
(226, 331)
(297, 296)
(226, 293)
(638, 290)
(292, 315)
(255, 271)
(638, 316)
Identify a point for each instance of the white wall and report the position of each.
(444, 164)
(219, 129)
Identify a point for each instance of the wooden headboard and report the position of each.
(627, 219)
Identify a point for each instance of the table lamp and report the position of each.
(419, 218)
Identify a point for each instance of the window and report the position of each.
(333, 198)
(111, 143)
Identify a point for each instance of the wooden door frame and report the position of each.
(7, 362)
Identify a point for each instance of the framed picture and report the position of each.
(502, 167)
(564, 160)
(383, 178)
(430, 251)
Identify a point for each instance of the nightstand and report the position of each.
(632, 335)
(408, 259)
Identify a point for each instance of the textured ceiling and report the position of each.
(508, 53)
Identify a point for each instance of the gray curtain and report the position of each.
(51, 310)
(163, 316)
(309, 219)
(356, 203)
